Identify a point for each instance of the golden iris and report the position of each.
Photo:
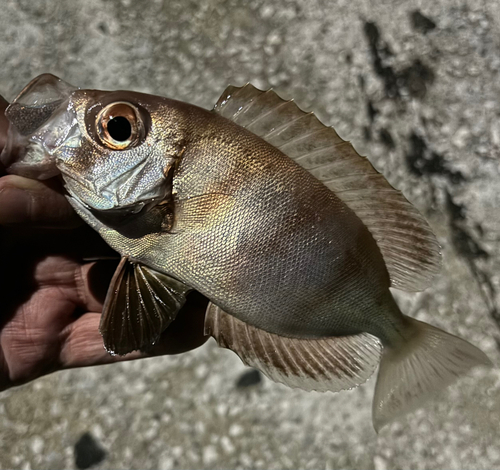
(119, 125)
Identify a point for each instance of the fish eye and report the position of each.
(119, 125)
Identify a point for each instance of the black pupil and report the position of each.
(119, 128)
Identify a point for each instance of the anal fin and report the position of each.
(139, 305)
(325, 364)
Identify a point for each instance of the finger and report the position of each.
(186, 332)
(83, 345)
(25, 201)
(92, 281)
(4, 127)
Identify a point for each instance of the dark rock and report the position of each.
(421, 23)
(415, 78)
(103, 28)
(88, 452)
(372, 111)
(379, 52)
(422, 161)
(467, 245)
(386, 138)
(464, 242)
(361, 82)
(249, 379)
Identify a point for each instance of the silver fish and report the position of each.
(293, 236)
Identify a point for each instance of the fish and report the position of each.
(293, 237)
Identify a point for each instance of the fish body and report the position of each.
(266, 266)
(293, 237)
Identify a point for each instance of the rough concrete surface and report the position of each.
(415, 86)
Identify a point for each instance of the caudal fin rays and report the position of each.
(413, 372)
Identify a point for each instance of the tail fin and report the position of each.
(409, 374)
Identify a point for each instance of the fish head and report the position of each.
(114, 150)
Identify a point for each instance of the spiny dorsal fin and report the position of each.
(139, 305)
(326, 364)
(408, 245)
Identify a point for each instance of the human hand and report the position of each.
(51, 298)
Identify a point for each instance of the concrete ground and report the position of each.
(415, 86)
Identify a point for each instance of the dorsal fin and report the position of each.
(408, 245)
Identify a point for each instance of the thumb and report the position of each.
(25, 201)
(4, 126)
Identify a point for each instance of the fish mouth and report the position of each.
(41, 119)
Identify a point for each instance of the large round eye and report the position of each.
(119, 125)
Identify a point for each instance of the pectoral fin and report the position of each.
(140, 304)
(333, 363)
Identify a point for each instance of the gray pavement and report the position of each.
(415, 86)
